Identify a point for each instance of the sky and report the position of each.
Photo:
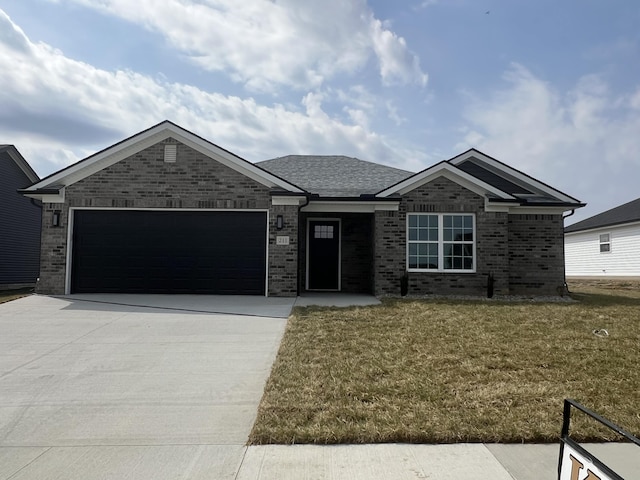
(550, 87)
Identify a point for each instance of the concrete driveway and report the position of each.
(112, 390)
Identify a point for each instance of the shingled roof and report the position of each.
(335, 175)
(626, 213)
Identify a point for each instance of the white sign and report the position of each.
(576, 466)
(282, 240)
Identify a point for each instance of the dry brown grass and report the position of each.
(454, 371)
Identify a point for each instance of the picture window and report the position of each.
(441, 242)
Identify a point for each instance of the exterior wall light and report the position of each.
(279, 222)
(55, 220)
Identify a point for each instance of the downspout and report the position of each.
(564, 260)
(300, 207)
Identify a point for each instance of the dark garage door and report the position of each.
(169, 252)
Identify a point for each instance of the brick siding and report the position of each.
(536, 254)
(520, 260)
(144, 180)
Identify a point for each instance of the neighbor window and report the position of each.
(605, 243)
(441, 242)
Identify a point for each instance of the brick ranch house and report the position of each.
(166, 211)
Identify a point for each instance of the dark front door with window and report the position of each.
(324, 255)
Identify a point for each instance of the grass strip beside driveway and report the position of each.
(441, 371)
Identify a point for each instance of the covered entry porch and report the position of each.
(336, 252)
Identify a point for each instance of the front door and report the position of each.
(323, 255)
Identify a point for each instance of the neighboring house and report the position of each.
(168, 211)
(606, 244)
(19, 222)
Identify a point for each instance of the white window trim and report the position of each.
(441, 241)
(600, 243)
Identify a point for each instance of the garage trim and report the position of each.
(176, 210)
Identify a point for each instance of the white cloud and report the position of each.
(397, 64)
(392, 113)
(57, 110)
(584, 141)
(267, 44)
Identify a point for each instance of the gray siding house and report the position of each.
(166, 211)
(19, 222)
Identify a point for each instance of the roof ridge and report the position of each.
(320, 157)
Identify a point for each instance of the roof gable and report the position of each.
(447, 170)
(509, 179)
(12, 152)
(136, 143)
(486, 176)
(622, 214)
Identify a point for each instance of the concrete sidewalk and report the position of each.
(462, 461)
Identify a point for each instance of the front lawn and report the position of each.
(440, 371)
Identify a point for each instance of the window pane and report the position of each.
(423, 221)
(604, 237)
(433, 235)
(433, 249)
(468, 222)
(447, 221)
(468, 263)
(423, 249)
(413, 249)
(413, 221)
(413, 261)
(606, 247)
(457, 221)
(423, 234)
(413, 233)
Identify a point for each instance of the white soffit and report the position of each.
(349, 206)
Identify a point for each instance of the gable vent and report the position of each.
(170, 153)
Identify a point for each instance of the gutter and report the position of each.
(564, 256)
